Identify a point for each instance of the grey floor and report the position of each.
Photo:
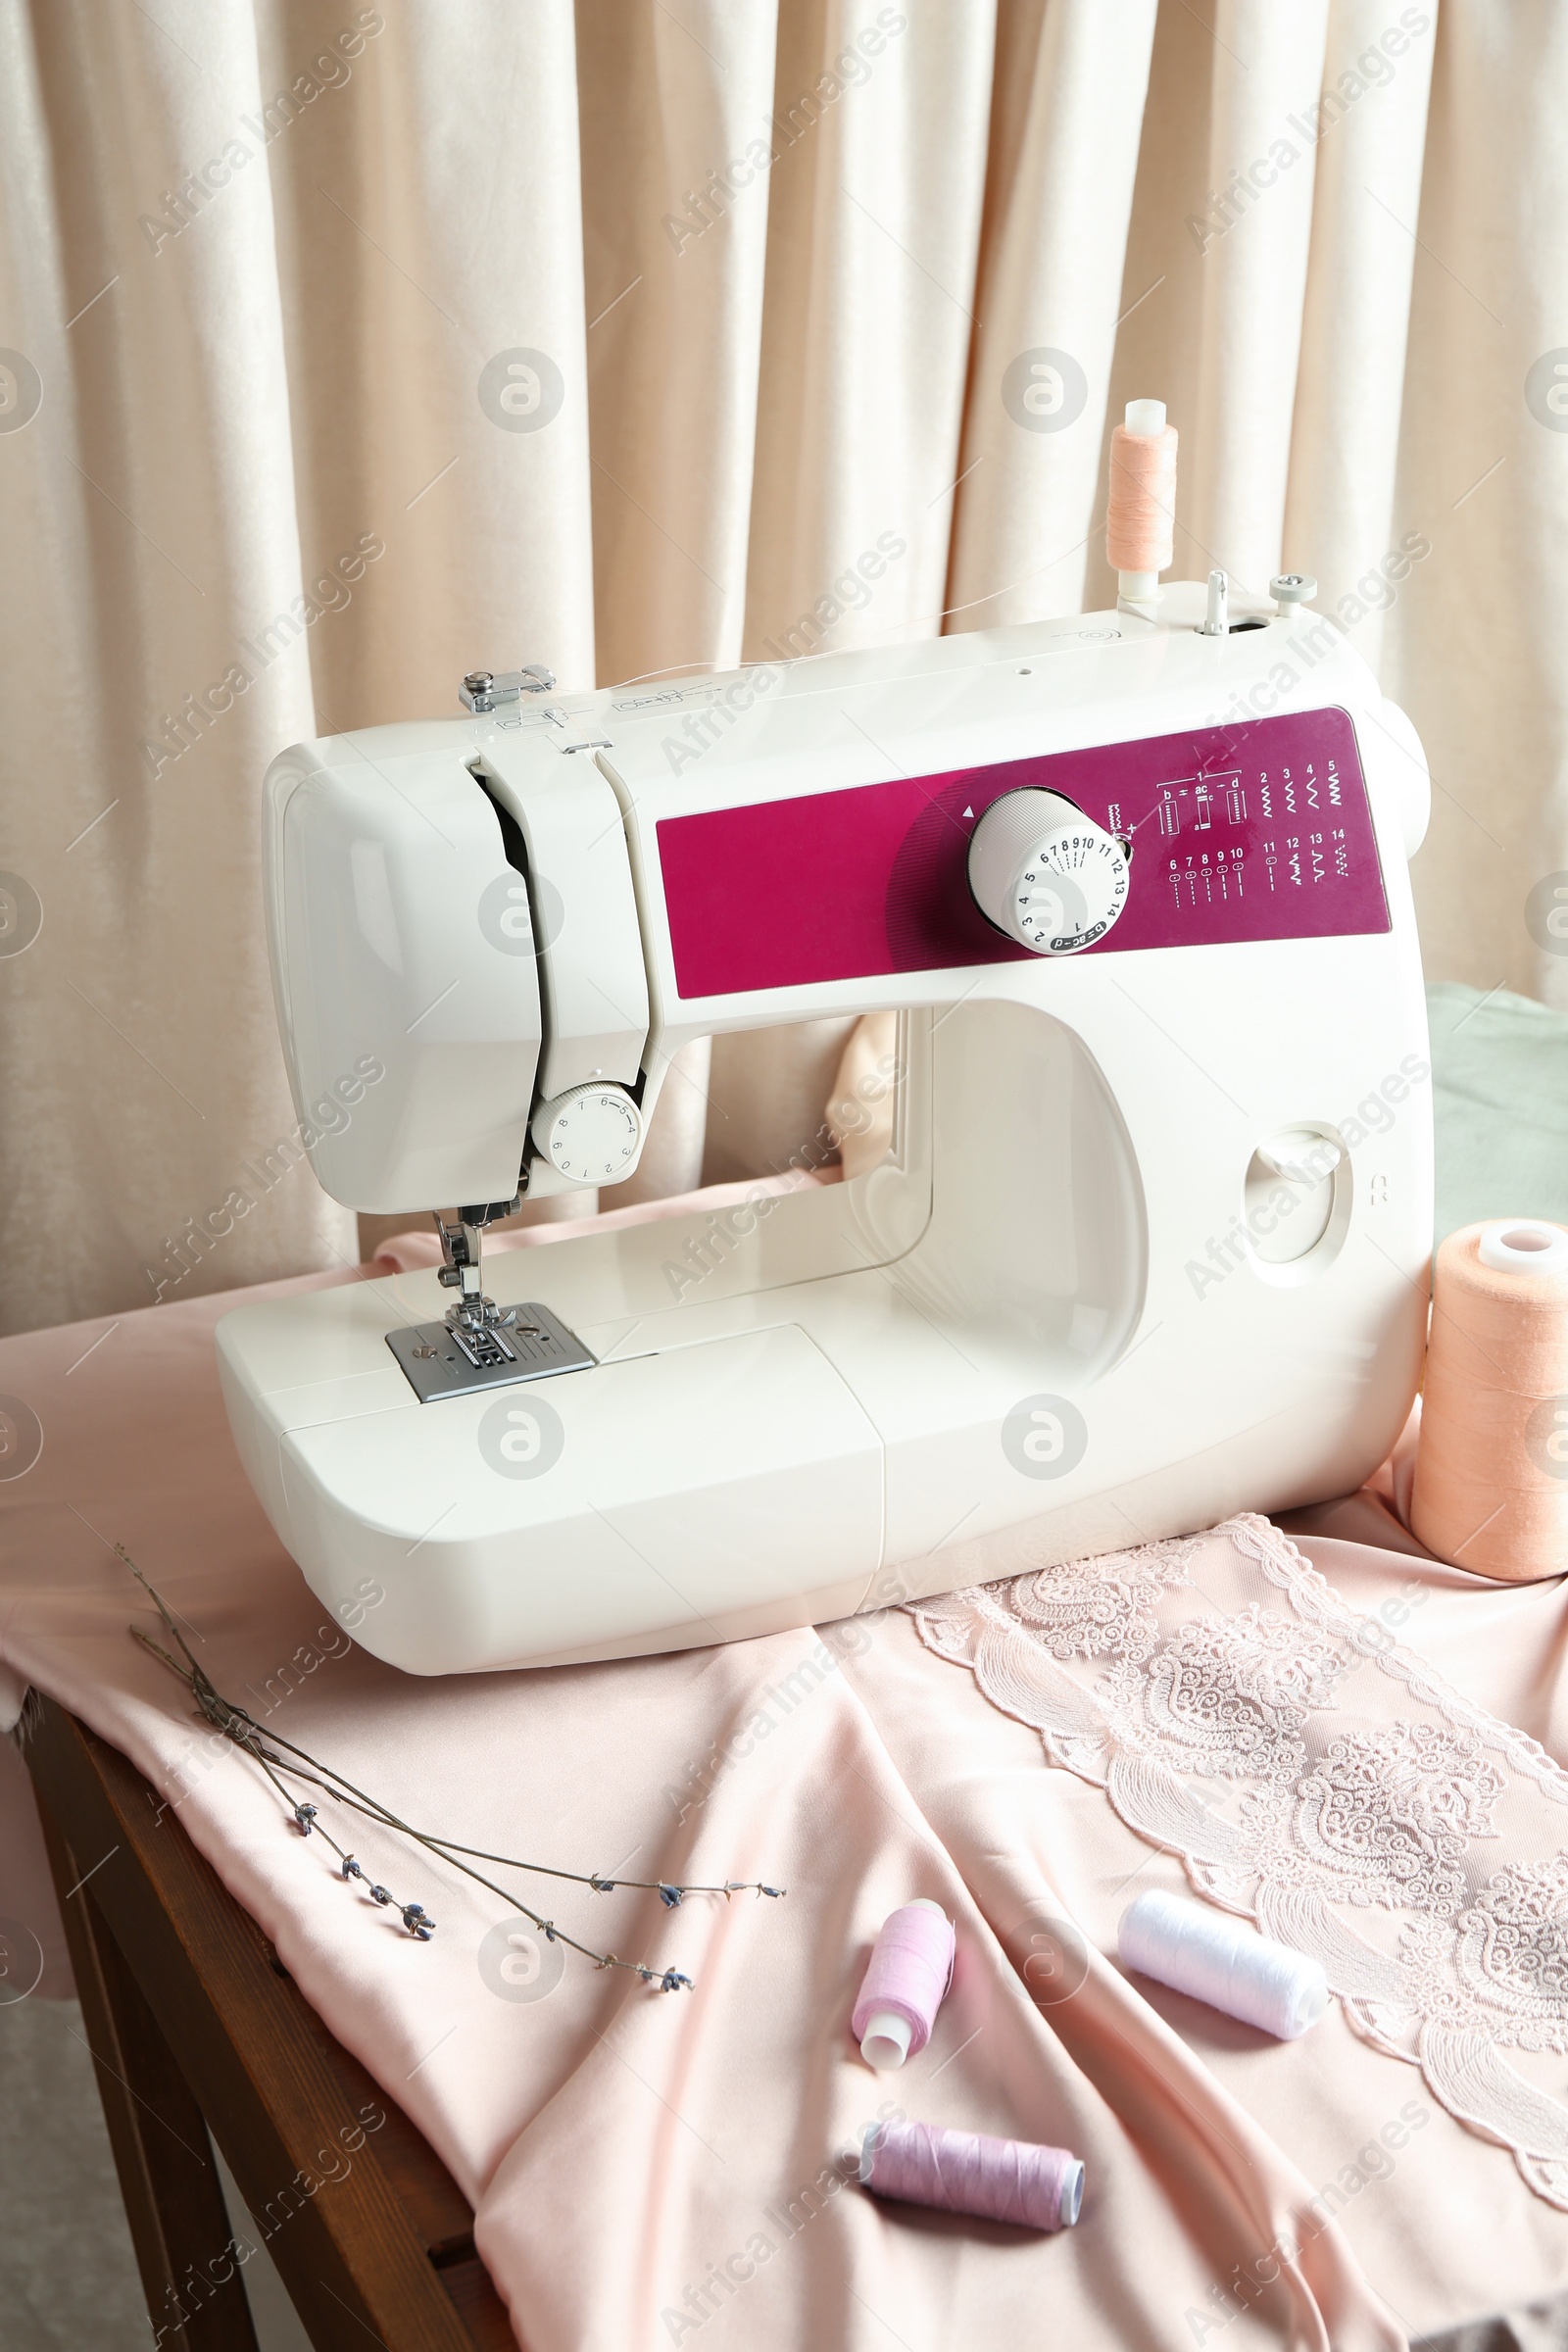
(67, 2277)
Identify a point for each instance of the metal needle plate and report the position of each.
(534, 1345)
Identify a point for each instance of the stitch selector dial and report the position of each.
(1044, 874)
(590, 1134)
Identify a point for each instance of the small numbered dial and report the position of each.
(1044, 874)
(590, 1134)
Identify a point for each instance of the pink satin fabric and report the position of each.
(408, 1252)
(649, 2169)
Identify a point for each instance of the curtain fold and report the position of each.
(343, 351)
(1370, 127)
(1257, 227)
(873, 234)
(150, 523)
(676, 114)
(1070, 85)
(1475, 643)
(432, 238)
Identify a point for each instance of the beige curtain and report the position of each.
(345, 348)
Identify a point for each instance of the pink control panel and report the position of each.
(1248, 832)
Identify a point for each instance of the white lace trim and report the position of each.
(1402, 1834)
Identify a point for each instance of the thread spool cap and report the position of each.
(1524, 1245)
(1072, 2197)
(1289, 588)
(885, 2043)
(1145, 418)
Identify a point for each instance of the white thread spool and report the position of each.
(1222, 1961)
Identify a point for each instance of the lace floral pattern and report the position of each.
(1320, 1778)
(1393, 1812)
(1104, 1608)
(1230, 1695)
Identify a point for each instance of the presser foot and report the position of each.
(474, 1313)
(453, 1358)
(473, 1318)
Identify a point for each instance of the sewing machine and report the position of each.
(1148, 1243)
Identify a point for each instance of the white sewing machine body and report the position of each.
(1072, 1308)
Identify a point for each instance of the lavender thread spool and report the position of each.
(968, 2171)
(1220, 1960)
(906, 1979)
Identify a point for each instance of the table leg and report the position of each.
(169, 2179)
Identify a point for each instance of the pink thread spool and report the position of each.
(967, 2172)
(1140, 521)
(906, 1976)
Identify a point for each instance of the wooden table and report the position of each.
(196, 2028)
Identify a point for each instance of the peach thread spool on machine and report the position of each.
(1139, 525)
(1490, 1486)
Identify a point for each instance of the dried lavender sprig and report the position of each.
(241, 1729)
(670, 1893)
(241, 1726)
(236, 1724)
